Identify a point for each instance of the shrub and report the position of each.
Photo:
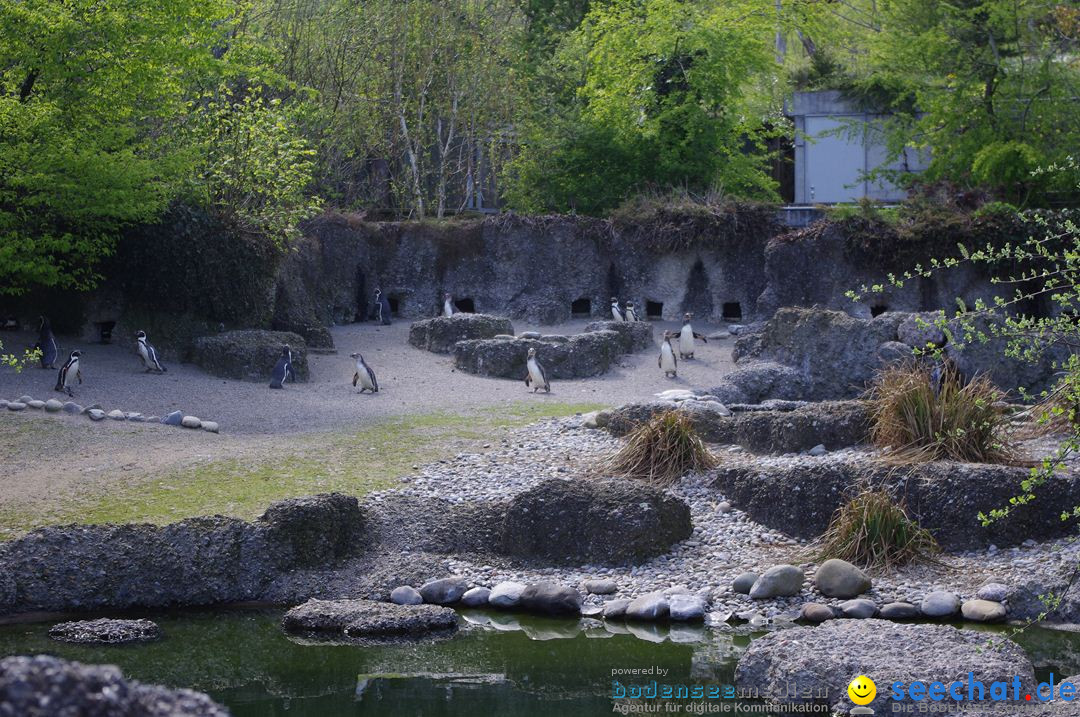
(661, 451)
(924, 413)
(874, 531)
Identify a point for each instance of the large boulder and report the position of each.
(581, 356)
(824, 659)
(636, 335)
(550, 599)
(593, 521)
(778, 581)
(441, 333)
(45, 686)
(368, 618)
(249, 355)
(313, 530)
(840, 579)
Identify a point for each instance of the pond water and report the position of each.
(498, 664)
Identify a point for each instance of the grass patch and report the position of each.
(250, 476)
(661, 451)
(873, 531)
(923, 414)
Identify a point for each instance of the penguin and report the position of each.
(69, 373)
(536, 376)
(448, 305)
(382, 308)
(46, 343)
(686, 338)
(668, 362)
(631, 315)
(148, 354)
(283, 369)
(616, 312)
(364, 375)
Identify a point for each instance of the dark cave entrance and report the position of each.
(362, 299)
(465, 306)
(395, 305)
(581, 308)
(654, 309)
(878, 309)
(732, 311)
(614, 283)
(698, 298)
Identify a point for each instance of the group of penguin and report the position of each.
(364, 377)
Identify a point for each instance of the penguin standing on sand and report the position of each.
(46, 343)
(448, 305)
(686, 338)
(668, 362)
(631, 314)
(69, 373)
(382, 308)
(364, 376)
(148, 354)
(283, 369)
(616, 312)
(536, 376)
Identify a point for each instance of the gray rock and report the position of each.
(117, 415)
(648, 607)
(894, 352)
(190, 422)
(743, 583)
(249, 355)
(210, 426)
(858, 609)
(73, 408)
(135, 417)
(818, 450)
(441, 333)
(983, 611)
(778, 581)
(36, 405)
(173, 419)
(840, 579)
(593, 611)
(635, 335)
(506, 594)
(550, 599)
(616, 608)
(825, 658)
(16, 406)
(816, 612)
(600, 587)
(94, 407)
(105, 631)
(445, 591)
(596, 521)
(535, 335)
(45, 686)
(940, 604)
(724, 507)
(899, 611)
(368, 618)
(582, 356)
(96, 414)
(921, 330)
(476, 597)
(686, 608)
(25, 398)
(54, 406)
(995, 592)
(406, 595)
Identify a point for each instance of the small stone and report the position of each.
(858, 609)
(117, 415)
(995, 592)
(840, 579)
(652, 606)
(135, 417)
(778, 581)
(983, 611)
(96, 414)
(744, 583)
(35, 404)
(615, 608)
(600, 587)
(445, 591)
(25, 399)
(173, 419)
(210, 426)
(818, 450)
(73, 408)
(406, 595)
(476, 597)
(16, 406)
(506, 594)
(816, 612)
(190, 422)
(899, 611)
(724, 507)
(686, 608)
(940, 604)
(53, 406)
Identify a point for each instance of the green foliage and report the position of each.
(872, 530)
(661, 451)
(17, 362)
(919, 415)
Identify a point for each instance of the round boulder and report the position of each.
(816, 612)
(744, 582)
(445, 591)
(940, 604)
(551, 599)
(105, 631)
(778, 581)
(406, 595)
(840, 579)
(983, 611)
(476, 597)
(594, 521)
(899, 611)
(506, 594)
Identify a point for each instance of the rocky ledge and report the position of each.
(44, 686)
(105, 631)
(439, 334)
(369, 619)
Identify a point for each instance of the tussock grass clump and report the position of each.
(661, 451)
(873, 531)
(923, 413)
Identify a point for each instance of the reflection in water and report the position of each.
(498, 664)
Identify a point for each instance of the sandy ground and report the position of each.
(411, 381)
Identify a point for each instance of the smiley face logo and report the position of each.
(862, 690)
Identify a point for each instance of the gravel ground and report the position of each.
(411, 381)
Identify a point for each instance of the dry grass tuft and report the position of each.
(874, 531)
(661, 451)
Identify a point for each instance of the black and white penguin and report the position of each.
(448, 305)
(686, 338)
(364, 376)
(536, 377)
(148, 353)
(631, 314)
(283, 369)
(668, 362)
(69, 373)
(382, 308)
(46, 343)
(616, 312)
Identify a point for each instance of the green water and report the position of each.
(514, 666)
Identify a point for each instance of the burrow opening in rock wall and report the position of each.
(878, 309)
(698, 299)
(581, 308)
(732, 311)
(361, 295)
(654, 309)
(395, 304)
(465, 306)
